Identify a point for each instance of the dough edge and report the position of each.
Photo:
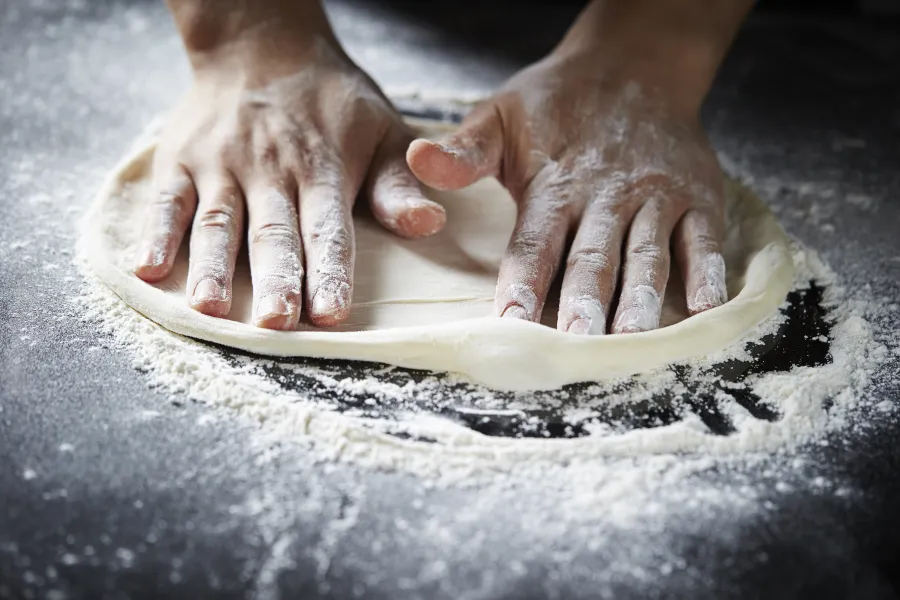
(507, 355)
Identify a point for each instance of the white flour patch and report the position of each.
(861, 201)
(643, 315)
(603, 471)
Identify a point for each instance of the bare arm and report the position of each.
(208, 27)
(688, 37)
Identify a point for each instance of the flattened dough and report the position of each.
(427, 304)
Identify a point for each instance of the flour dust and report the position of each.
(610, 465)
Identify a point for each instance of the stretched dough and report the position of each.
(427, 304)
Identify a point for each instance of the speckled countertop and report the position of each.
(108, 490)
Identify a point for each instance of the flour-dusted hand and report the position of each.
(280, 130)
(601, 146)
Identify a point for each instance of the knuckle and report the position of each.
(226, 153)
(294, 145)
(266, 155)
(646, 251)
(701, 240)
(592, 258)
(394, 169)
(394, 189)
(706, 242)
(273, 232)
(364, 104)
(707, 195)
(327, 185)
(301, 164)
(699, 230)
(649, 183)
(320, 172)
(211, 267)
(651, 180)
(308, 152)
(218, 217)
(332, 234)
(657, 188)
(283, 283)
(529, 243)
(171, 201)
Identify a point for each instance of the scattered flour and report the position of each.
(810, 401)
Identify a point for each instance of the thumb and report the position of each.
(474, 151)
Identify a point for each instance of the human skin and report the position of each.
(599, 143)
(282, 130)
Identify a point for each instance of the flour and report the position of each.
(517, 301)
(444, 452)
(715, 292)
(586, 316)
(643, 315)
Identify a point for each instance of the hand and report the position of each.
(287, 133)
(610, 157)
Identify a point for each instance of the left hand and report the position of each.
(609, 156)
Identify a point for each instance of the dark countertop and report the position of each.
(157, 499)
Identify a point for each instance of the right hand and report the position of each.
(288, 137)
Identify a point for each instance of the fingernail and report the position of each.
(579, 326)
(271, 306)
(470, 155)
(587, 314)
(149, 257)
(644, 307)
(327, 304)
(447, 149)
(708, 296)
(514, 311)
(635, 320)
(517, 301)
(208, 290)
(422, 218)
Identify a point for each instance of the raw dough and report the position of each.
(428, 303)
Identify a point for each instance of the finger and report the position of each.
(646, 267)
(215, 240)
(394, 192)
(327, 228)
(473, 151)
(167, 220)
(592, 269)
(697, 243)
(276, 259)
(534, 251)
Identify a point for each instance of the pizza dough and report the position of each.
(427, 304)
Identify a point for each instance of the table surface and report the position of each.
(149, 499)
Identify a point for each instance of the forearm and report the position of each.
(217, 29)
(679, 43)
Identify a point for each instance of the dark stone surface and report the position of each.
(156, 500)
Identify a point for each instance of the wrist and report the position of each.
(673, 47)
(245, 35)
(679, 71)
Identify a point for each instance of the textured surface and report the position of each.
(108, 490)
